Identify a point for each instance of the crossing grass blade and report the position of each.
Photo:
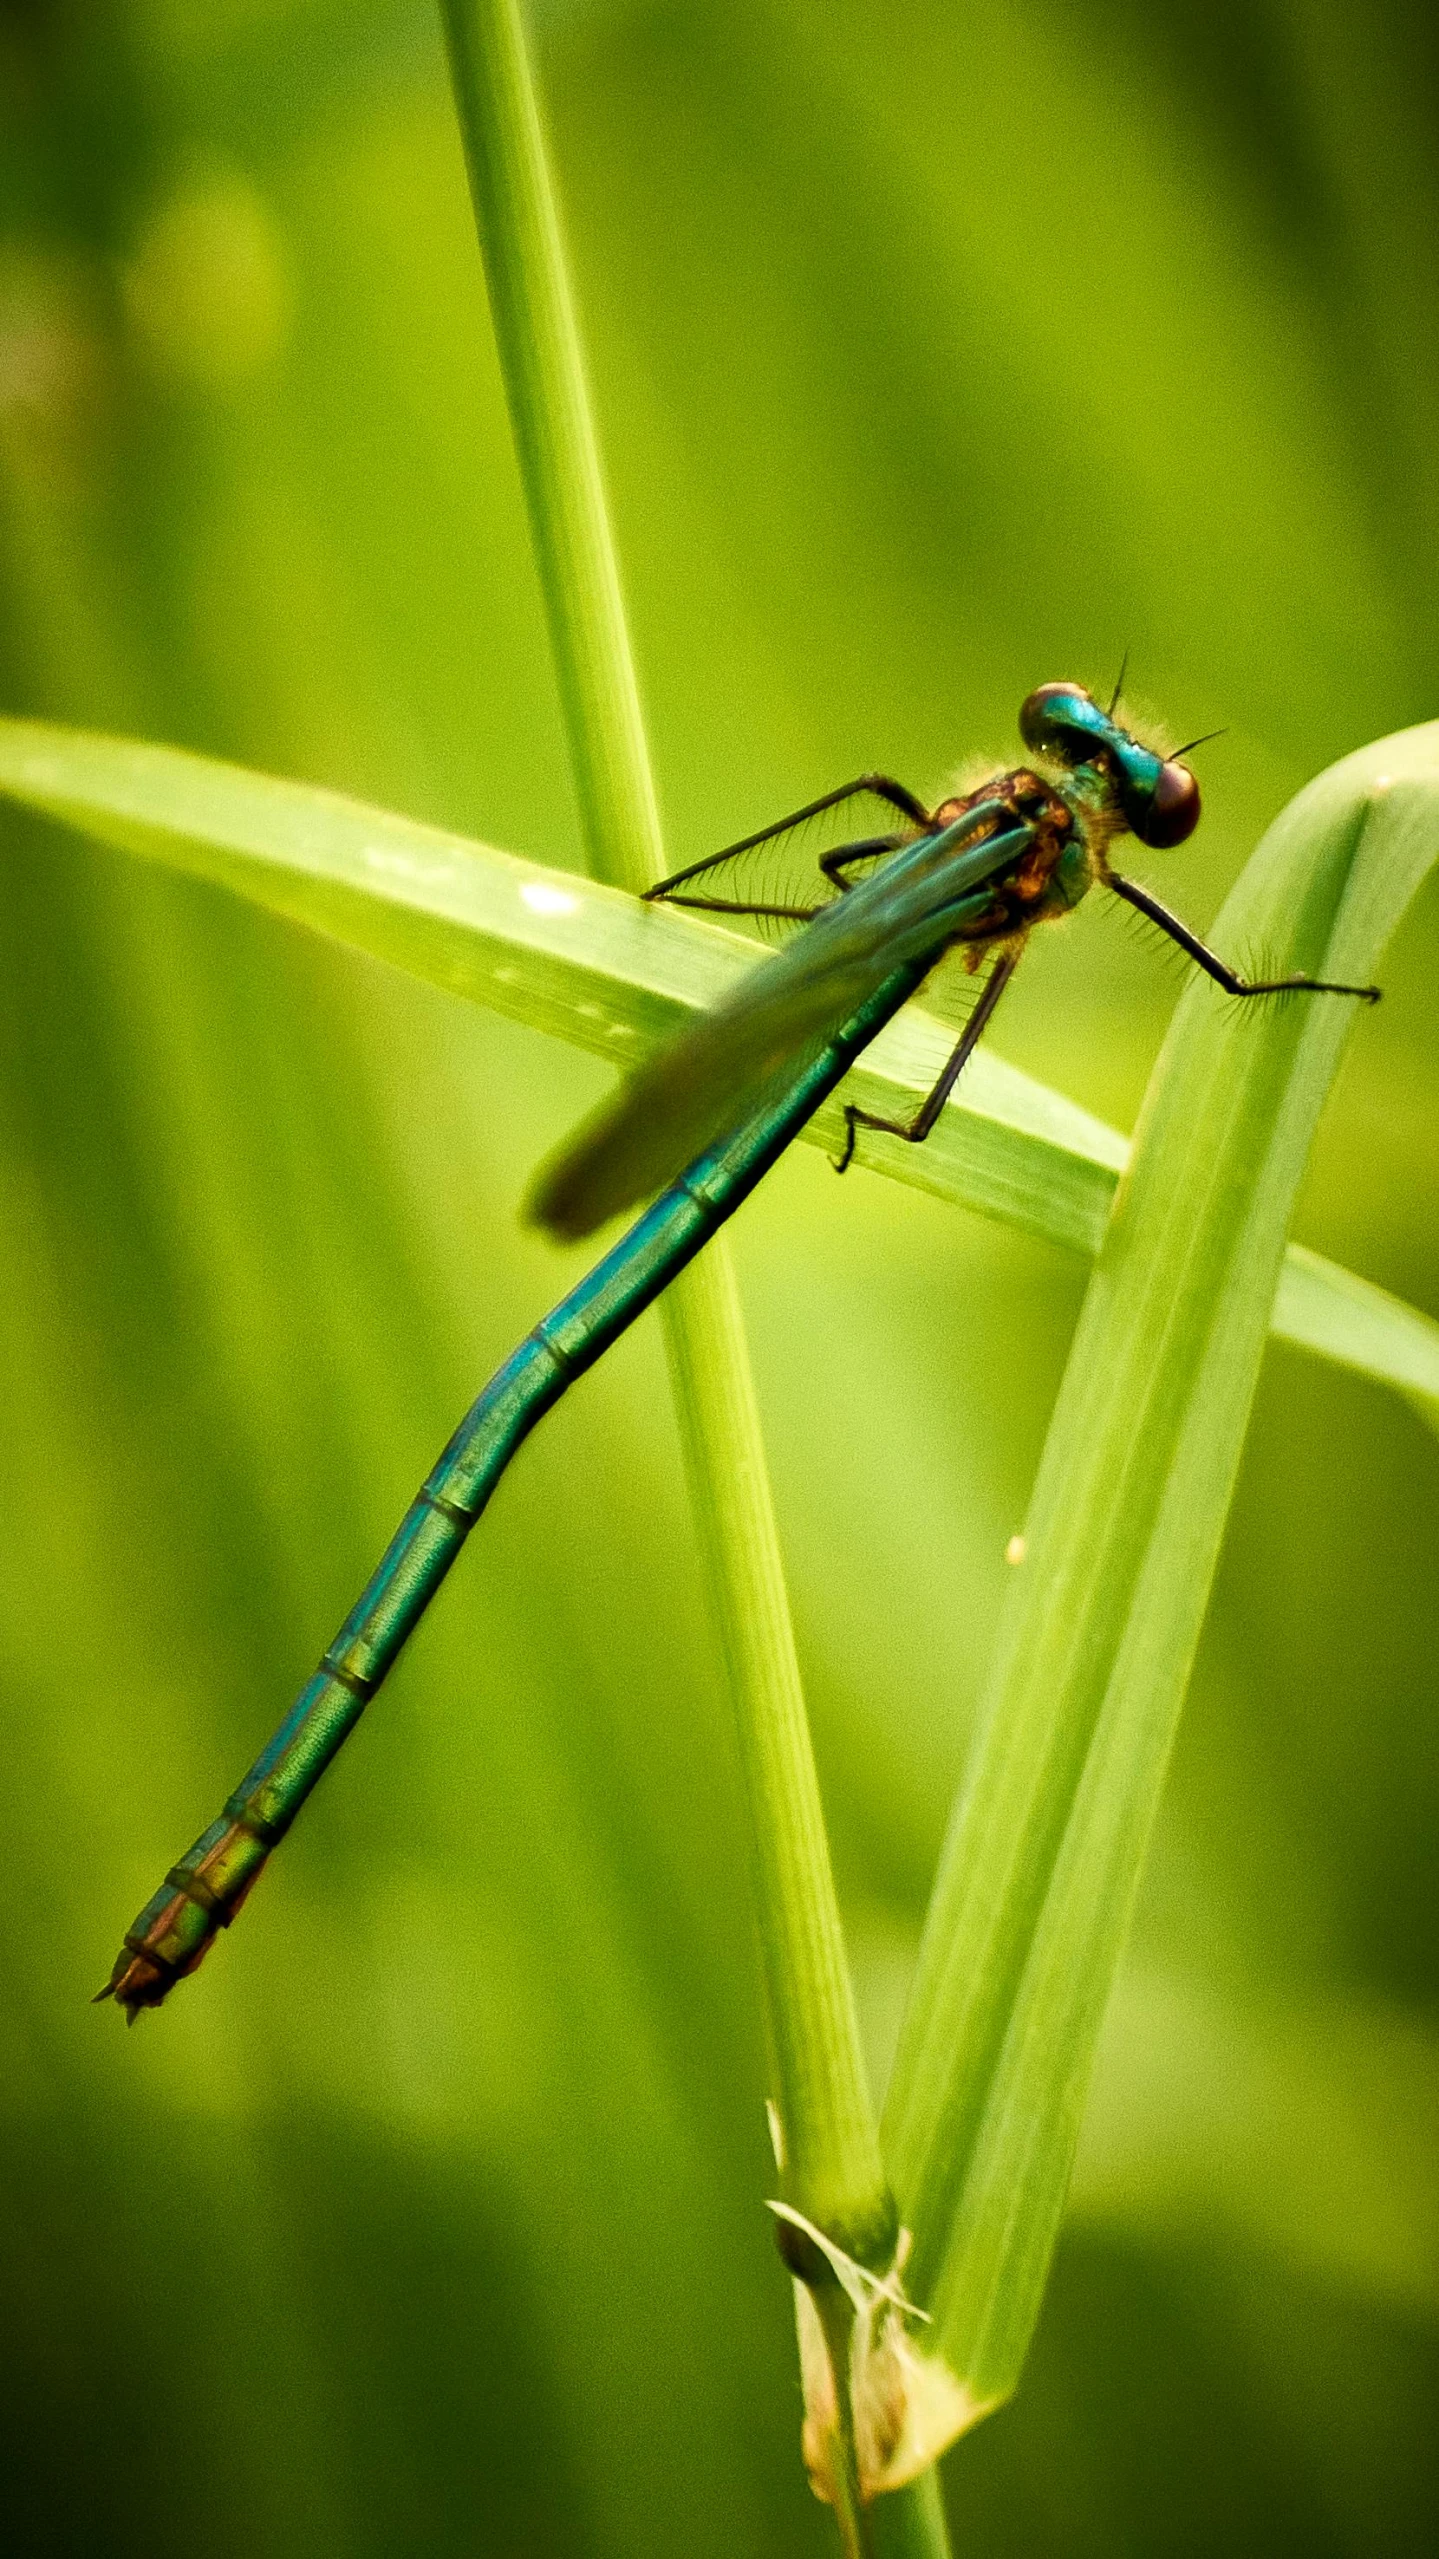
(1048, 1836)
(818, 2082)
(596, 968)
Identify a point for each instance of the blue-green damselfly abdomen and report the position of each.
(700, 1124)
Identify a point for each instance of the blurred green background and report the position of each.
(939, 350)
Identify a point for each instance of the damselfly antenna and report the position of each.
(1119, 687)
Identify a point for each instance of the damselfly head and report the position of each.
(1157, 796)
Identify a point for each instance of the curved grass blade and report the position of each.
(616, 977)
(1047, 1840)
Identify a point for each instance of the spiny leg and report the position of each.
(741, 906)
(915, 1131)
(1220, 970)
(833, 864)
(880, 786)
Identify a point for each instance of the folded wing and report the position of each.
(716, 1074)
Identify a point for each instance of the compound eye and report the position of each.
(1047, 723)
(1173, 812)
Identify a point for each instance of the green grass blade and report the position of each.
(832, 2165)
(912, 2526)
(1047, 1839)
(537, 335)
(606, 974)
(1330, 1311)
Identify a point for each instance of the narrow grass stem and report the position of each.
(539, 347)
(911, 2524)
(832, 2168)
(836, 2318)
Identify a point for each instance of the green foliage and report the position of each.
(435, 2201)
(590, 967)
(1042, 1863)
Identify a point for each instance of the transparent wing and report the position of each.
(702, 1083)
(954, 986)
(713, 1076)
(777, 879)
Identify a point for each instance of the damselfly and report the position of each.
(707, 1116)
